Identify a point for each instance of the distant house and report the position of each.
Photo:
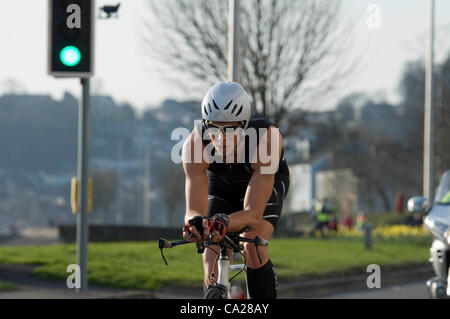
(341, 187)
(302, 189)
(327, 174)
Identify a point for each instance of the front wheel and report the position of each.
(215, 293)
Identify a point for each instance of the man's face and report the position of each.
(225, 136)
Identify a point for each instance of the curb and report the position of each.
(314, 288)
(323, 287)
(308, 288)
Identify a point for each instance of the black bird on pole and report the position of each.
(110, 10)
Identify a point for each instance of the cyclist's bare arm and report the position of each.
(258, 191)
(196, 184)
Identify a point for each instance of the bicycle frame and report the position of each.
(242, 267)
(224, 265)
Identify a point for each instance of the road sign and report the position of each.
(71, 38)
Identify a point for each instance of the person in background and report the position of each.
(323, 211)
(348, 222)
(446, 199)
(361, 220)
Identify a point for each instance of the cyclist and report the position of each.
(225, 194)
(446, 198)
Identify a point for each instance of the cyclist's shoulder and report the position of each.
(259, 121)
(262, 124)
(192, 151)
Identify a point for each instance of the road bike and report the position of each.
(221, 288)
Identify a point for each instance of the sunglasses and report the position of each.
(216, 127)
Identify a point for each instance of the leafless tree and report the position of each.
(13, 86)
(104, 192)
(171, 186)
(442, 119)
(291, 51)
(413, 91)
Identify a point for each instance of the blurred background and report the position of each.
(348, 100)
(344, 81)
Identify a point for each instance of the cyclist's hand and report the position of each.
(196, 229)
(218, 226)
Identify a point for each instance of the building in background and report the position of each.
(340, 186)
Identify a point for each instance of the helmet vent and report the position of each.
(215, 105)
(204, 108)
(209, 105)
(240, 110)
(234, 108)
(228, 105)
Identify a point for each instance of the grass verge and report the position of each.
(6, 286)
(138, 265)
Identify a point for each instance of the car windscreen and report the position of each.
(443, 191)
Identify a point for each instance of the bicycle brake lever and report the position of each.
(259, 257)
(260, 242)
(164, 258)
(163, 243)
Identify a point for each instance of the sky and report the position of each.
(123, 70)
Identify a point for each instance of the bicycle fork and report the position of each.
(223, 275)
(242, 267)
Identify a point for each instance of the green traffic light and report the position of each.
(70, 56)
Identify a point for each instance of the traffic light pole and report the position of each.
(233, 40)
(428, 151)
(83, 175)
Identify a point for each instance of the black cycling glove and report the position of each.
(220, 223)
(196, 222)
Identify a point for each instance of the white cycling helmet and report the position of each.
(226, 102)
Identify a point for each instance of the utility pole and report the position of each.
(428, 150)
(233, 40)
(71, 55)
(119, 155)
(83, 172)
(233, 45)
(147, 208)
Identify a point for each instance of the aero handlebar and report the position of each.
(230, 240)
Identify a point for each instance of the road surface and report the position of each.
(415, 290)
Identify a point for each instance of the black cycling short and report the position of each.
(228, 197)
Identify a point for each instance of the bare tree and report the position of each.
(412, 87)
(442, 120)
(104, 191)
(290, 51)
(171, 186)
(13, 86)
(412, 90)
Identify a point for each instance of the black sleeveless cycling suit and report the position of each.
(227, 183)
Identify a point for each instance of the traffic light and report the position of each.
(71, 38)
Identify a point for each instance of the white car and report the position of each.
(437, 220)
